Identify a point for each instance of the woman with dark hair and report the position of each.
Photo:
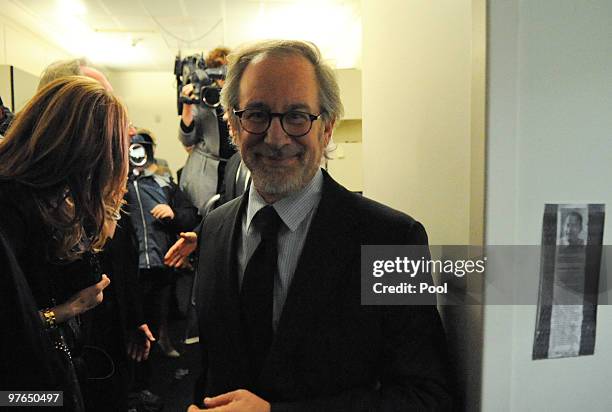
(63, 174)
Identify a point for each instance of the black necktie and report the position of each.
(256, 295)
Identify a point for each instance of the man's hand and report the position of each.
(178, 255)
(139, 344)
(162, 211)
(236, 401)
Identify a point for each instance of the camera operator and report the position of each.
(203, 127)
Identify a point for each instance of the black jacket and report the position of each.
(28, 360)
(156, 236)
(329, 353)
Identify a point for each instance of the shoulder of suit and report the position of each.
(217, 216)
(371, 210)
(375, 219)
(364, 206)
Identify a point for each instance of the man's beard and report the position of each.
(280, 180)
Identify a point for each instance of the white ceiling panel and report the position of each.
(99, 22)
(39, 7)
(173, 8)
(136, 23)
(147, 34)
(199, 7)
(93, 7)
(121, 7)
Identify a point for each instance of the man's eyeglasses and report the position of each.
(294, 122)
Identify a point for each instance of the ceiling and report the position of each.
(147, 34)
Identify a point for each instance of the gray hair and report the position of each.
(62, 68)
(329, 92)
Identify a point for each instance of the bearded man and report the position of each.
(281, 322)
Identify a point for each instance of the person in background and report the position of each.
(237, 175)
(63, 172)
(237, 179)
(179, 172)
(159, 211)
(163, 168)
(204, 128)
(73, 67)
(116, 327)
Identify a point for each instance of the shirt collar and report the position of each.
(291, 209)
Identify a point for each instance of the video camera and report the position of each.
(193, 70)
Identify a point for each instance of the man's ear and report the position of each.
(328, 129)
(233, 126)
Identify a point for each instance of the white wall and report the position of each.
(416, 111)
(549, 123)
(346, 162)
(151, 102)
(21, 48)
(27, 52)
(418, 73)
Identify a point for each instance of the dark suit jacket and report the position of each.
(329, 353)
(230, 191)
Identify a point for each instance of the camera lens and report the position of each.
(211, 96)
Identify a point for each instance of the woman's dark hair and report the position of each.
(68, 148)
